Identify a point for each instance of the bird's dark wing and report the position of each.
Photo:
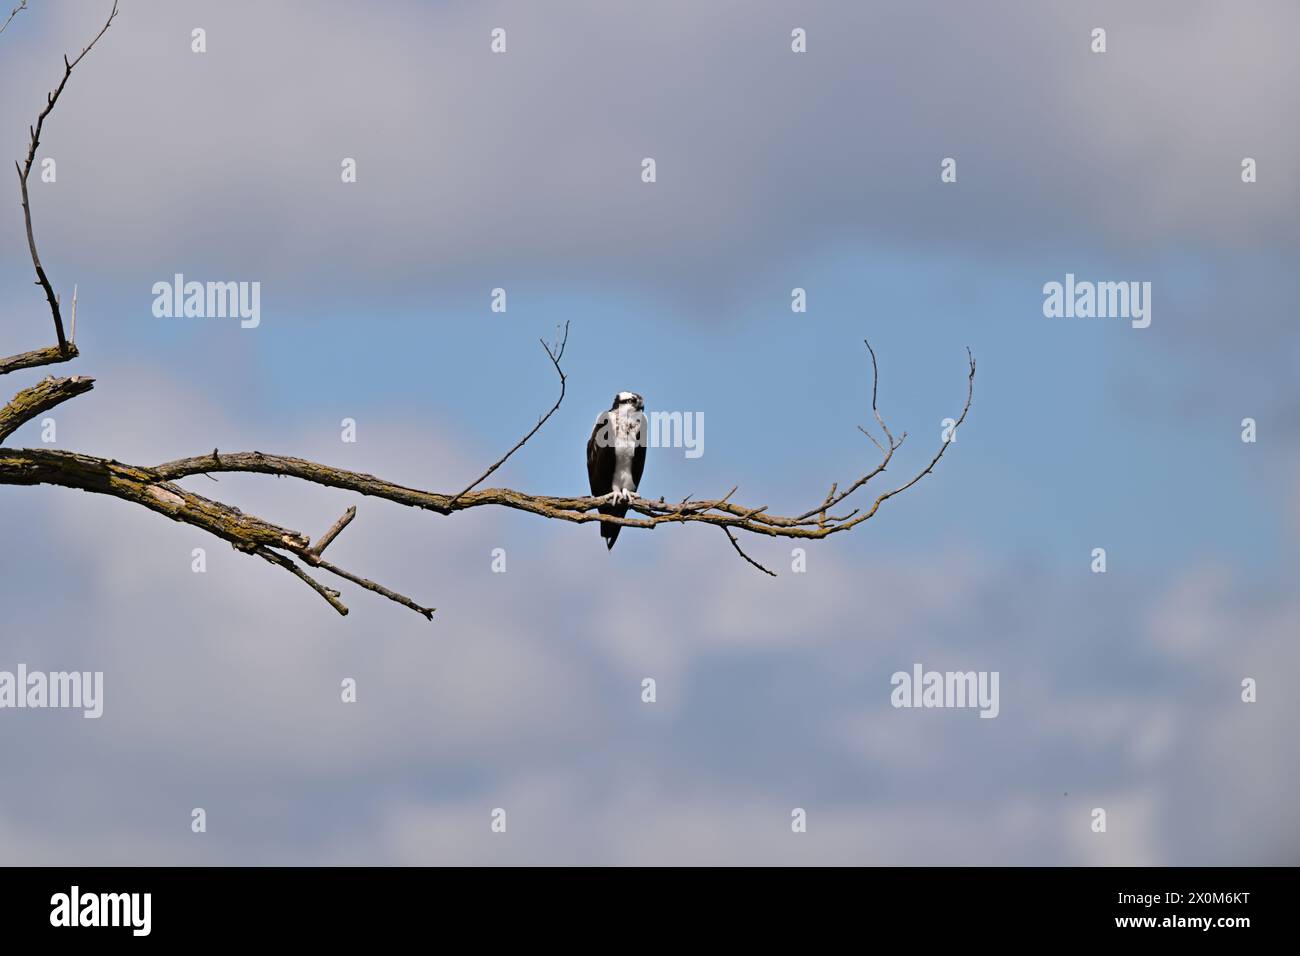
(600, 474)
(638, 456)
(600, 458)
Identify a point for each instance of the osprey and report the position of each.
(616, 457)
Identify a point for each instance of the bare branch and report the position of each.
(41, 397)
(47, 466)
(371, 585)
(830, 495)
(875, 381)
(579, 510)
(13, 13)
(555, 355)
(247, 533)
(51, 355)
(943, 447)
(736, 544)
(832, 499)
(155, 489)
(24, 171)
(845, 525)
(329, 594)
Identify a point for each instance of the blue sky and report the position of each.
(776, 171)
(782, 394)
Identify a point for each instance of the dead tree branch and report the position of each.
(579, 510)
(24, 171)
(41, 397)
(154, 487)
(245, 532)
(50, 355)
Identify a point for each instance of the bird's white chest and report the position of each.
(626, 437)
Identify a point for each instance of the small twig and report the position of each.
(555, 354)
(943, 447)
(736, 544)
(830, 495)
(873, 439)
(333, 532)
(329, 594)
(370, 585)
(833, 499)
(875, 381)
(13, 13)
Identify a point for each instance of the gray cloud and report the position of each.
(474, 165)
(222, 692)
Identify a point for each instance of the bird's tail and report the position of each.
(609, 530)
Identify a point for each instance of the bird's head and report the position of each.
(628, 400)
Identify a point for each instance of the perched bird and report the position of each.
(616, 457)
